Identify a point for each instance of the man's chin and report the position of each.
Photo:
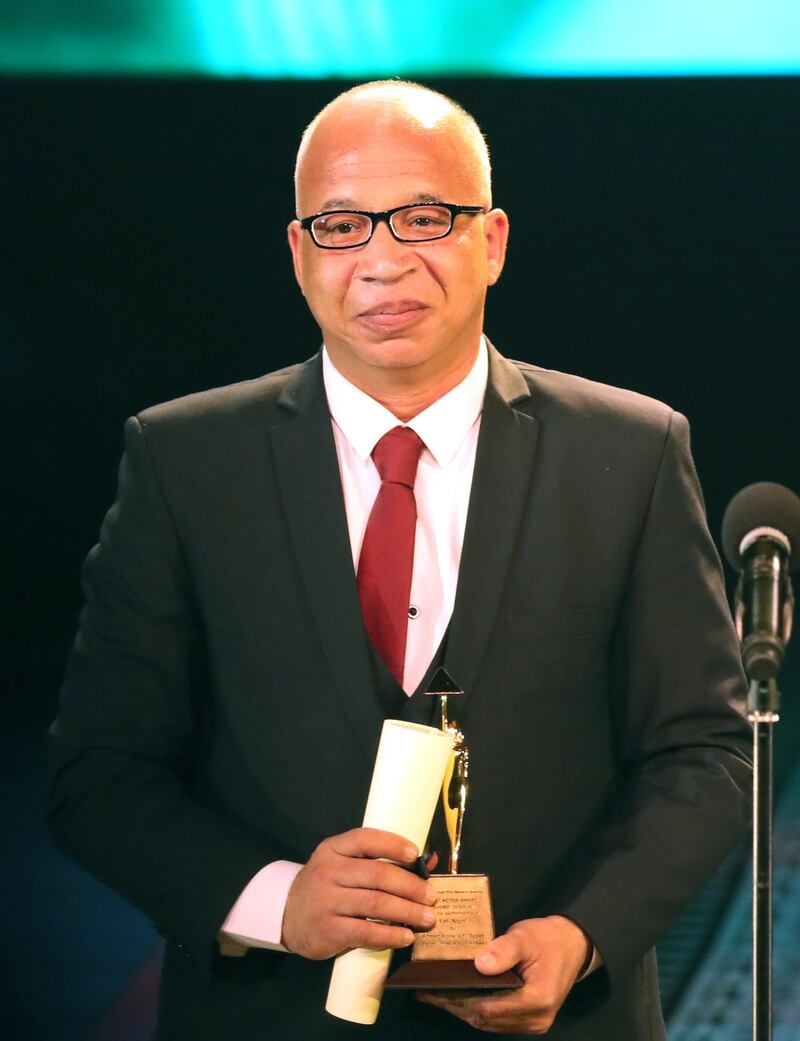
(395, 351)
(398, 357)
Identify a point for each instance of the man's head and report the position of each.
(397, 314)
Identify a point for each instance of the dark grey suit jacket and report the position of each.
(220, 711)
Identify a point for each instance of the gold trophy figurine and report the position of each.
(444, 957)
(455, 788)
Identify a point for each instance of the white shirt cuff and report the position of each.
(595, 963)
(256, 919)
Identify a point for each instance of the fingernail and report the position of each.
(431, 895)
(428, 917)
(409, 939)
(410, 852)
(485, 961)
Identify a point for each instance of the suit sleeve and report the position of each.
(121, 799)
(682, 799)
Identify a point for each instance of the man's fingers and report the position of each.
(371, 842)
(506, 1003)
(545, 953)
(480, 1013)
(509, 1012)
(375, 936)
(388, 878)
(502, 954)
(372, 903)
(348, 880)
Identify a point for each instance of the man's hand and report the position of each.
(548, 953)
(344, 884)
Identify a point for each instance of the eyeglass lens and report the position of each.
(411, 224)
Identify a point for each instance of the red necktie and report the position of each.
(387, 553)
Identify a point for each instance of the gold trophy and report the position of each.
(444, 957)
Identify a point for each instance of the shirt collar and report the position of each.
(443, 426)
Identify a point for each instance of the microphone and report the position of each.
(761, 539)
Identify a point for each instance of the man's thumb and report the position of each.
(501, 954)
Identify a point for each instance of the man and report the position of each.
(236, 656)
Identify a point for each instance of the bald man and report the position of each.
(225, 695)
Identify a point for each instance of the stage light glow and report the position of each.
(368, 38)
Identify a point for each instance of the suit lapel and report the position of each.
(310, 487)
(500, 488)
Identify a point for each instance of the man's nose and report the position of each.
(384, 258)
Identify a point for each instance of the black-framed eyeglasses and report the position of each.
(418, 222)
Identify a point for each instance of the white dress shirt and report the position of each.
(449, 430)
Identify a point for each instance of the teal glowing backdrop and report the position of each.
(366, 38)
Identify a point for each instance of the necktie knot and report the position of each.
(396, 456)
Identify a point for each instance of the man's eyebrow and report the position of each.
(338, 204)
(350, 204)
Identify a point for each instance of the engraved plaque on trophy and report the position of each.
(444, 957)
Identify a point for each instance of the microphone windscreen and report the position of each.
(761, 505)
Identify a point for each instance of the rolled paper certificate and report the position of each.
(406, 783)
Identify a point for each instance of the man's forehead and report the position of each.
(382, 193)
(351, 202)
(362, 138)
(375, 161)
(421, 168)
(361, 144)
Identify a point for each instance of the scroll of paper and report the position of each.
(406, 783)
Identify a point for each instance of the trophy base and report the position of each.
(459, 974)
(443, 958)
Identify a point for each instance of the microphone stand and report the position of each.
(761, 535)
(763, 702)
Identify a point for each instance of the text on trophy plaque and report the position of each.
(464, 923)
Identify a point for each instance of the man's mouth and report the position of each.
(395, 307)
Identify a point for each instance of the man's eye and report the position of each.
(425, 221)
(341, 229)
(429, 220)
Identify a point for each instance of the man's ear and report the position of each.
(294, 233)
(496, 230)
